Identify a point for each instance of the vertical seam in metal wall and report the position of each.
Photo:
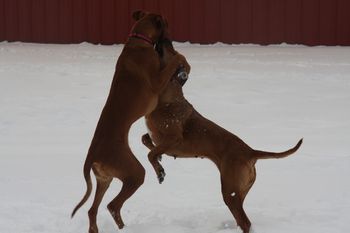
(172, 13)
(336, 21)
(284, 22)
(205, 22)
(86, 24)
(83, 11)
(251, 20)
(268, 21)
(236, 22)
(252, 23)
(220, 36)
(99, 28)
(101, 21)
(4, 18)
(17, 21)
(74, 37)
(318, 39)
(301, 36)
(45, 21)
(5, 21)
(59, 22)
(204, 33)
(86, 16)
(267, 24)
(71, 25)
(157, 7)
(128, 20)
(31, 21)
(18, 33)
(114, 36)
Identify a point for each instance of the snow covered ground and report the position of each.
(51, 97)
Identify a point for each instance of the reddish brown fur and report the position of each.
(177, 129)
(137, 83)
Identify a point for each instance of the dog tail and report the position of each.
(87, 169)
(273, 155)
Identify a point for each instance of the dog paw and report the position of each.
(93, 229)
(161, 176)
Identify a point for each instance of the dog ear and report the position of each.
(138, 14)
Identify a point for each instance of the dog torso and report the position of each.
(131, 95)
(200, 137)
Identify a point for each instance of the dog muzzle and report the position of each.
(182, 76)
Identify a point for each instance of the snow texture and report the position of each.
(51, 97)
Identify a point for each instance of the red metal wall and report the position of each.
(310, 22)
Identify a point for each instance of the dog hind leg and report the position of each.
(102, 186)
(133, 178)
(236, 181)
(235, 203)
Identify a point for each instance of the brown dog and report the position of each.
(177, 129)
(137, 83)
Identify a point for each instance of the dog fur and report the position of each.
(138, 80)
(178, 130)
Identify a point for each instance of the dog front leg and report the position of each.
(157, 152)
(147, 141)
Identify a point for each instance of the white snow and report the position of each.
(51, 97)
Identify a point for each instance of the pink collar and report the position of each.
(142, 37)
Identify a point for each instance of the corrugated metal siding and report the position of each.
(310, 22)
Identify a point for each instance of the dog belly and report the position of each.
(186, 149)
(181, 154)
(177, 151)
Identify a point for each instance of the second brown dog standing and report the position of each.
(178, 130)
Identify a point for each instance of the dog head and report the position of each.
(166, 51)
(152, 25)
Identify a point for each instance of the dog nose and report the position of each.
(182, 76)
